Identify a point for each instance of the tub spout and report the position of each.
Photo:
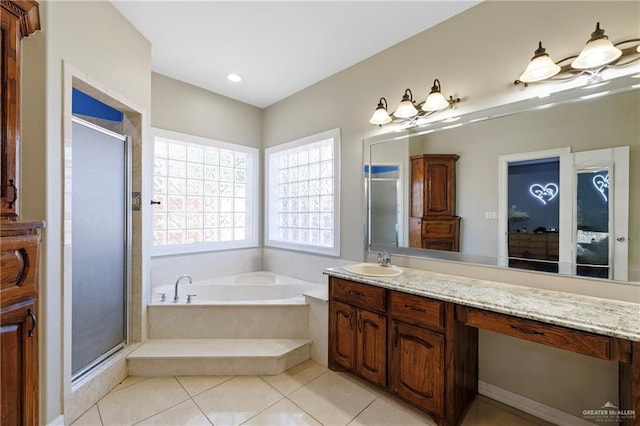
(175, 296)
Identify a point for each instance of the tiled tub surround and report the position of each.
(248, 324)
(248, 288)
(591, 314)
(428, 319)
(250, 305)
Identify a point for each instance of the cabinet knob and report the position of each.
(620, 239)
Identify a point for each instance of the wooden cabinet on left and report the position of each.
(19, 241)
(19, 19)
(19, 260)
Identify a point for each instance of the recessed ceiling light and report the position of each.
(234, 78)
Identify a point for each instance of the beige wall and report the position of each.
(476, 55)
(96, 40)
(184, 108)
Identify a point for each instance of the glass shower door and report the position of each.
(99, 226)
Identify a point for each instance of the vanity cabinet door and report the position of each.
(417, 366)
(19, 364)
(372, 346)
(342, 334)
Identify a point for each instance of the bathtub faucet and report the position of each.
(175, 296)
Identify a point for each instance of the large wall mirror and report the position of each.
(550, 184)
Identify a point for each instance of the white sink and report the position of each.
(373, 270)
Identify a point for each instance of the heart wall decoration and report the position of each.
(544, 193)
(601, 183)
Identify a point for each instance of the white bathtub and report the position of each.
(254, 288)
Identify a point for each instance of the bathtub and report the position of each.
(253, 288)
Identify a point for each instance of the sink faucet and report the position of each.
(175, 296)
(384, 258)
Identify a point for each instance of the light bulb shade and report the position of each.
(406, 109)
(598, 51)
(540, 68)
(435, 102)
(380, 117)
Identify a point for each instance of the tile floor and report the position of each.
(308, 394)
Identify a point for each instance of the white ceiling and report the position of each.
(279, 48)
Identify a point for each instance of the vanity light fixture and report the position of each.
(410, 112)
(381, 116)
(598, 54)
(436, 100)
(407, 108)
(541, 66)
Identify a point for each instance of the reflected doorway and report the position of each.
(591, 192)
(534, 214)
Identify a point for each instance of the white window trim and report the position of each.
(268, 242)
(252, 197)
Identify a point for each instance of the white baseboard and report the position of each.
(530, 406)
(58, 421)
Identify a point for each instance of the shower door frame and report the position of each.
(128, 160)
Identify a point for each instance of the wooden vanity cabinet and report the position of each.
(358, 335)
(433, 223)
(431, 360)
(19, 244)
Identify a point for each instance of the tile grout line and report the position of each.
(266, 408)
(292, 392)
(361, 411)
(99, 414)
(310, 415)
(167, 408)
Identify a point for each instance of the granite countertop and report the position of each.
(586, 313)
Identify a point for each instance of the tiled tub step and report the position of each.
(191, 357)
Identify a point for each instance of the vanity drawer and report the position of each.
(417, 309)
(594, 345)
(19, 266)
(362, 295)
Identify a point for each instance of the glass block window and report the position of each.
(207, 194)
(302, 194)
